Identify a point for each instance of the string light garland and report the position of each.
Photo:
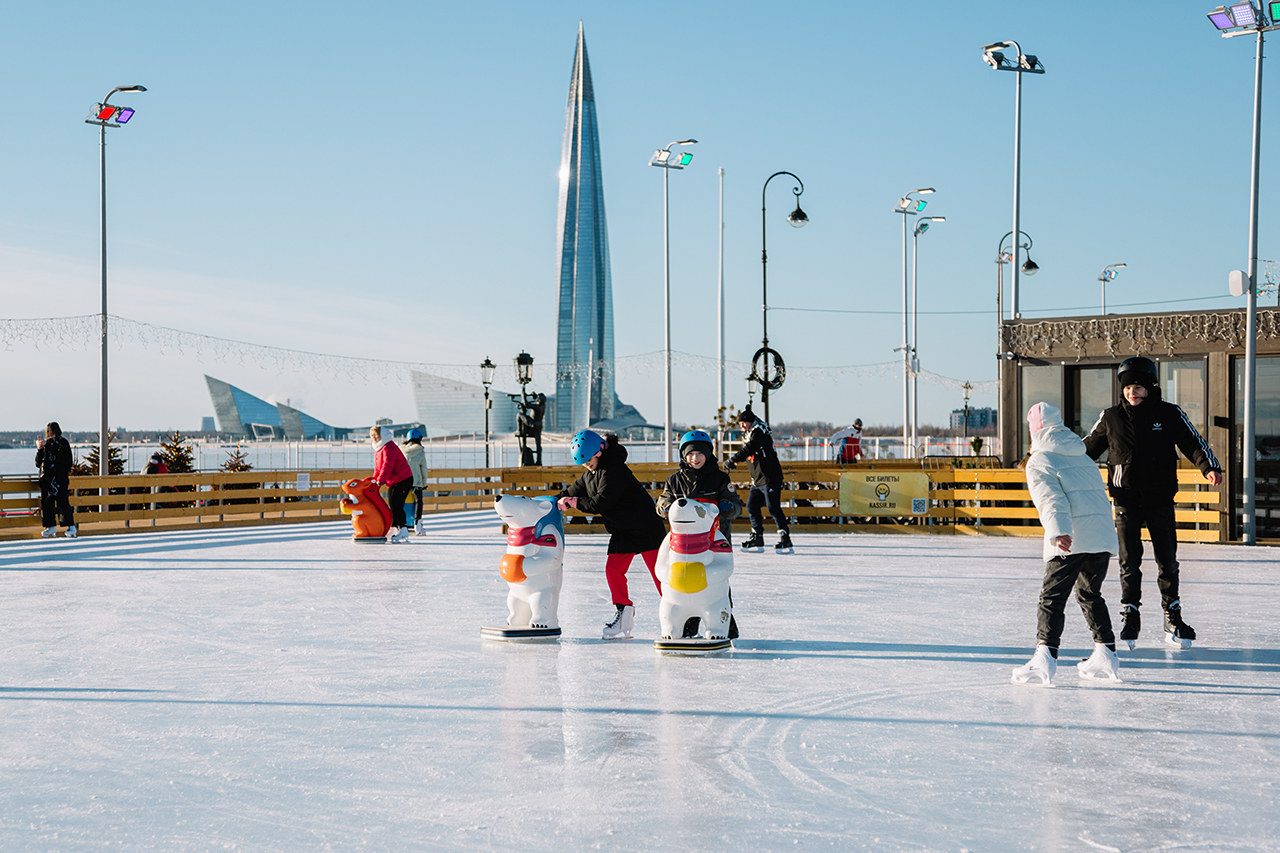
(81, 332)
(1123, 335)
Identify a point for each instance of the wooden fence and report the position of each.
(963, 499)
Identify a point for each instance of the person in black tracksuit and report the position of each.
(766, 481)
(1140, 436)
(54, 461)
(609, 490)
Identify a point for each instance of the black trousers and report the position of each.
(1084, 573)
(1164, 545)
(55, 503)
(417, 506)
(396, 493)
(760, 497)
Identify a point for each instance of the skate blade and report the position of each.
(1176, 642)
(759, 550)
(1100, 676)
(369, 540)
(1132, 644)
(1035, 679)
(692, 647)
(521, 635)
(784, 550)
(606, 637)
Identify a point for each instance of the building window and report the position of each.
(1040, 383)
(1183, 383)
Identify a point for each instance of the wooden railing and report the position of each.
(971, 500)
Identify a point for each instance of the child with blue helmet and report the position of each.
(609, 490)
(416, 456)
(699, 478)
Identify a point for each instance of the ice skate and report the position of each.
(1103, 663)
(1131, 625)
(754, 543)
(401, 535)
(71, 532)
(420, 530)
(49, 532)
(623, 621)
(1176, 632)
(784, 543)
(1040, 668)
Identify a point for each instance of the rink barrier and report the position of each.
(963, 498)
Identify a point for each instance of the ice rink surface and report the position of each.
(280, 688)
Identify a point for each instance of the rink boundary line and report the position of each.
(654, 712)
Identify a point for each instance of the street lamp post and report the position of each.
(771, 378)
(968, 389)
(907, 206)
(524, 375)
(1236, 20)
(921, 226)
(1030, 267)
(106, 115)
(720, 404)
(662, 158)
(1108, 274)
(487, 368)
(1025, 64)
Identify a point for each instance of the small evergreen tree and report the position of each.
(236, 461)
(89, 467)
(177, 454)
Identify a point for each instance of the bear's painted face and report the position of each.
(517, 511)
(688, 516)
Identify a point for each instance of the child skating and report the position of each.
(1079, 539)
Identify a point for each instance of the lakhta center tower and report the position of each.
(584, 348)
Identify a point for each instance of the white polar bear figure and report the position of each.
(694, 565)
(532, 566)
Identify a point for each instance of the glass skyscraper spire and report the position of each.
(584, 348)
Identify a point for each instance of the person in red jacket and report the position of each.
(392, 470)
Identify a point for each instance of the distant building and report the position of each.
(449, 407)
(206, 424)
(978, 418)
(243, 415)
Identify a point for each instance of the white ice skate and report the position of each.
(402, 535)
(49, 532)
(420, 530)
(1040, 668)
(71, 532)
(1103, 663)
(620, 628)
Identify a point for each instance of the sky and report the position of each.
(380, 182)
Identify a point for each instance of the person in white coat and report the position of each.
(1079, 539)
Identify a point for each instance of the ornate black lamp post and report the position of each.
(767, 367)
(487, 368)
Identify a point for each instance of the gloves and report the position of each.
(730, 465)
(726, 507)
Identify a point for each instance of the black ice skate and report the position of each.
(1176, 632)
(784, 544)
(754, 543)
(1131, 626)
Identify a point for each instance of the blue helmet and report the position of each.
(416, 433)
(584, 445)
(696, 436)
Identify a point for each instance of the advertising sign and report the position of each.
(884, 493)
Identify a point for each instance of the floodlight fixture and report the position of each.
(1109, 272)
(1244, 14)
(1030, 267)
(661, 156)
(921, 204)
(124, 114)
(1221, 19)
(1273, 10)
(686, 159)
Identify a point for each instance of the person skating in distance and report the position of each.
(1141, 436)
(609, 490)
(1079, 539)
(766, 482)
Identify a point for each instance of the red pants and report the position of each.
(615, 572)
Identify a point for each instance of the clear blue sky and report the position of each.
(380, 180)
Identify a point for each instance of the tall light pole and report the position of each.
(106, 115)
(770, 378)
(907, 206)
(663, 159)
(1030, 267)
(720, 404)
(1237, 20)
(1108, 274)
(1025, 64)
(487, 368)
(921, 226)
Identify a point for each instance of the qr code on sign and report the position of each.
(919, 506)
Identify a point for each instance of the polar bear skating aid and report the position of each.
(694, 565)
(533, 568)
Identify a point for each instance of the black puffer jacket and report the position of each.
(764, 467)
(54, 461)
(612, 492)
(707, 483)
(1142, 464)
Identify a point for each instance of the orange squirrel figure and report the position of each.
(369, 513)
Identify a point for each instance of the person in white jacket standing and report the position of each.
(1079, 539)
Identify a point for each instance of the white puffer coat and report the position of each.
(1066, 487)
